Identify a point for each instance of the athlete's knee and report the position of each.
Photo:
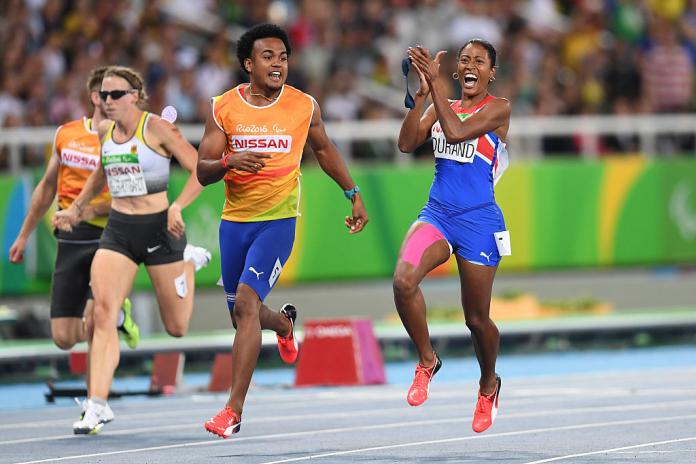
(176, 329)
(244, 310)
(101, 315)
(64, 341)
(478, 320)
(405, 281)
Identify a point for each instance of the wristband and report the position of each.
(351, 193)
(223, 161)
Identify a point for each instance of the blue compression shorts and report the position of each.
(469, 233)
(254, 253)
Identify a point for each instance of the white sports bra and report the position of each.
(132, 168)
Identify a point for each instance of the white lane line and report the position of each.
(313, 404)
(613, 450)
(346, 415)
(504, 434)
(363, 428)
(199, 423)
(516, 397)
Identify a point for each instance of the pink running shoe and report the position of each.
(420, 387)
(224, 423)
(486, 409)
(287, 346)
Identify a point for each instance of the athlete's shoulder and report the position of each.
(75, 125)
(231, 99)
(500, 103)
(297, 99)
(294, 92)
(72, 130)
(227, 95)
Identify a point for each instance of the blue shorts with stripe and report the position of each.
(254, 253)
(469, 232)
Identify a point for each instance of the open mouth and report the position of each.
(275, 75)
(470, 80)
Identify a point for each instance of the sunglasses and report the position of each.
(408, 99)
(115, 94)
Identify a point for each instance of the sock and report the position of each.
(100, 401)
(121, 317)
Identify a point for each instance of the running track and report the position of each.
(636, 406)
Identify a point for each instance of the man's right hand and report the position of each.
(17, 250)
(248, 161)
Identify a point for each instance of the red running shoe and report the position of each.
(418, 392)
(287, 346)
(224, 423)
(486, 409)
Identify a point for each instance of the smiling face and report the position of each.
(115, 109)
(268, 65)
(475, 69)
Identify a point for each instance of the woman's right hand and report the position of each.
(249, 161)
(423, 87)
(428, 68)
(65, 219)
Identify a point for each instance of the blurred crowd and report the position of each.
(556, 57)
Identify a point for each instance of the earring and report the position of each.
(491, 79)
(455, 76)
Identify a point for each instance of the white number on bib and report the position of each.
(124, 175)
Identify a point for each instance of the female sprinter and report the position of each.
(461, 215)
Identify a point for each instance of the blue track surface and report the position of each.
(23, 396)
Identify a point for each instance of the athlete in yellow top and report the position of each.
(254, 139)
(74, 157)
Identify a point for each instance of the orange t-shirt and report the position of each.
(79, 151)
(280, 130)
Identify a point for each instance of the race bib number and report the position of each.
(462, 152)
(124, 175)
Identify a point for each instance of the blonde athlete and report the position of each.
(143, 227)
(74, 157)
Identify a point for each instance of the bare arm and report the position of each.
(97, 180)
(93, 210)
(209, 168)
(173, 142)
(494, 116)
(415, 130)
(170, 140)
(44, 194)
(332, 164)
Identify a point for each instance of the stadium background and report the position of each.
(601, 210)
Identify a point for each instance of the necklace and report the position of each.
(252, 94)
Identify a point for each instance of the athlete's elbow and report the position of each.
(406, 146)
(203, 179)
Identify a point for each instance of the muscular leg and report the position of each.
(271, 320)
(408, 297)
(112, 278)
(89, 335)
(247, 344)
(67, 331)
(477, 286)
(175, 311)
